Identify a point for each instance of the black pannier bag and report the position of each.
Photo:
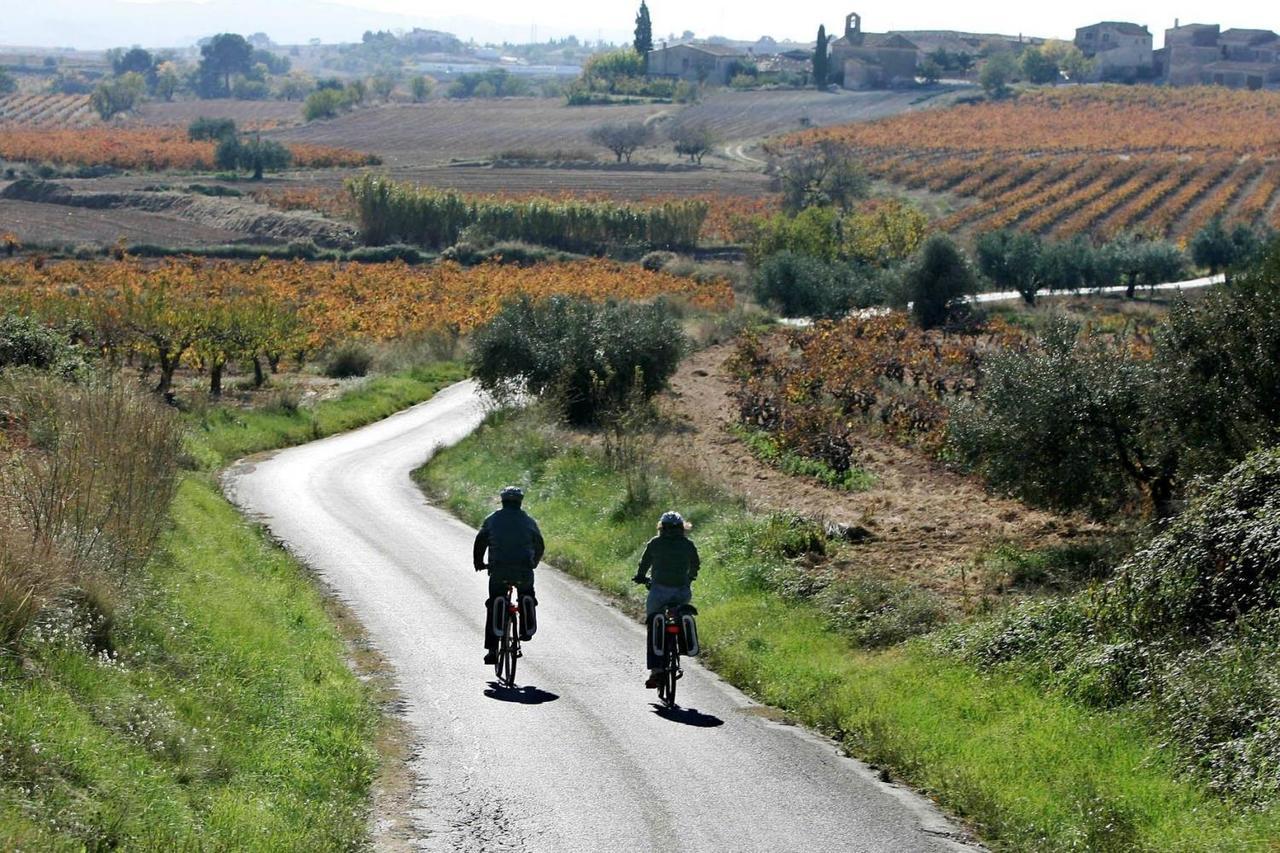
(688, 635)
(498, 615)
(528, 617)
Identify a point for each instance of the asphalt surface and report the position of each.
(579, 758)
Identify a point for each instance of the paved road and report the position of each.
(579, 759)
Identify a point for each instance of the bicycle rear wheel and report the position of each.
(507, 659)
(669, 676)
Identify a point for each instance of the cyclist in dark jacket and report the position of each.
(515, 547)
(673, 559)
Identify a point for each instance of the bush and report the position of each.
(211, 129)
(26, 343)
(326, 103)
(656, 261)
(802, 286)
(587, 357)
(347, 361)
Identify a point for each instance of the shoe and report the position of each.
(490, 658)
(652, 682)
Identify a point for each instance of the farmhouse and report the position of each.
(1203, 54)
(1120, 51)
(873, 60)
(698, 63)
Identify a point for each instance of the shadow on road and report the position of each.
(527, 695)
(687, 716)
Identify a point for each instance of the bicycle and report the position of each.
(670, 625)
(508, 651)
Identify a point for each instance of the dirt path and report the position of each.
(923, 521)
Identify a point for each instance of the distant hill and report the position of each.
(97, 24)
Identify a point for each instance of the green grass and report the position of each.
(223, 434)
(227, 720)
(1029, 769)
(765, 447)
(210, 706)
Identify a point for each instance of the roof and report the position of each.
(712, 49)
(894, 40)
(1122, 27)
(1250, 37)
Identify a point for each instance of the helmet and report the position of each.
(511, 494)
(671, 518)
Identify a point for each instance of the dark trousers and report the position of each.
(498, 589)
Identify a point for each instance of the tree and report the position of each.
(623, 139)
(1220, 249)
(821, 61)
(1011, 259)
(296, 86)
(1140, 261)
(1069, 59)
(325, 103)
(938, 281)
(586, 357)
(1038, 66)
(420, 87)
(1070, 424)
(116, 96)
(223, 55)
(7, 84)
(136, 60)
(996, 74)
(692, 141)
(167, 81)
(827, 173)
(255, 155)
(930, 71)
(644, 31)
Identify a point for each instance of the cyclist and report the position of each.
(674, 560)
(515, 547)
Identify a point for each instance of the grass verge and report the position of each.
(210, 704)
(1029, 769)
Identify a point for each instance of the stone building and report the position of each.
(873, 60)
(1120, 50)
(1204, 54)
(697, 63)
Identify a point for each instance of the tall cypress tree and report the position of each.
(644, 30)
(820, 58)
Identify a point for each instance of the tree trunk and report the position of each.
(215, 380)
(167, 366)
(258, 378)
(273, 360)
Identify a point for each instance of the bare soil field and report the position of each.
(736, 117)
(437, 132)
(247, 114)
(34, 222)
(921, 521)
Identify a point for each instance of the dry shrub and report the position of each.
(86, 487)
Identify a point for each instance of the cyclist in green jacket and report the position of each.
(673, 559)
(515, 547)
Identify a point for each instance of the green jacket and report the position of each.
(514, 543)
(673, 558)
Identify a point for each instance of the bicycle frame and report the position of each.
(671, 672)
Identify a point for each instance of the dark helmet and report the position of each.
(671, 518)
(511, 495)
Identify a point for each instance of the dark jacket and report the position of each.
(514, 542)
(673, 558)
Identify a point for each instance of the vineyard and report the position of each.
(809, 388)
(1099, 161)
(207, 313)
(150, 149)
(46, 110)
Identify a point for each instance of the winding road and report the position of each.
(579, 758)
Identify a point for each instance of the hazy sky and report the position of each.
(491, 20)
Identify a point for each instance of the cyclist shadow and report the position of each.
(687, 716)
(527, 695)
